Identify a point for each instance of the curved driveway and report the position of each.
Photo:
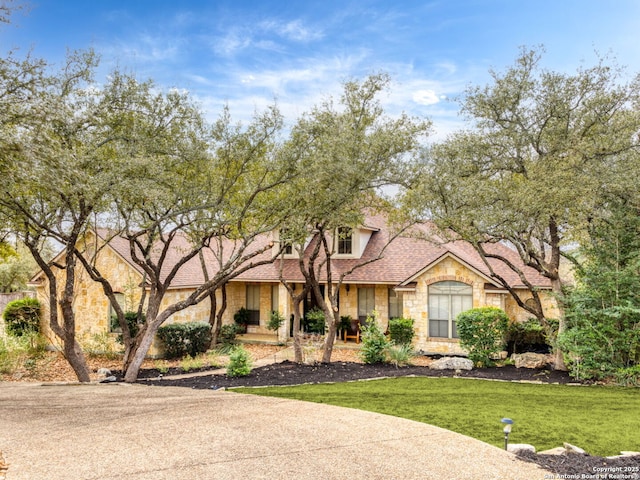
(135, 432)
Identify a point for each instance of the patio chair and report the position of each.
(353, 331)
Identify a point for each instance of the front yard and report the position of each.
(601, 420)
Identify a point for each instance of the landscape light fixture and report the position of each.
(507, 430)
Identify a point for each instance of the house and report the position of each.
(419, 276)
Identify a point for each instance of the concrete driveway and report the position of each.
(136, 432)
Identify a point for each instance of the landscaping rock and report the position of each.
(451, 363)
(104, 372)
(520, 447)
(554, 451)
(625, 454)
(572, 449)
(530, 360)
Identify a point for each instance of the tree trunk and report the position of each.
(217, 319)
(556, 288)
(330, 338)
(558, 360)
(71, 348)
(297, 344)
(74, 355)
(140, 353)
(142, 343)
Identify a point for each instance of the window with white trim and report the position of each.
(275, 298)
(366, 302)
(345, 241)
(395, 304)
(285, 242)
(253, 304)
(446, 301)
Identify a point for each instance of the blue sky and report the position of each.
(249, 53)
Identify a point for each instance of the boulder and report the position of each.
(629, 454)
(572, 449)
(104, 372)
(554, 451)
(451, 363)
(520, 447)
(530, 360)
(624, 455)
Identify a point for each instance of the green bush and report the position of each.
(600, 342)
(181, 339)
(275, 321)
(227, 335)
(374, 343)
(400, 354)
(315, 321)
(240, 363)
(345, 322)
(401, 330)
(132, 321)
(22, 351)
(98, 344)
(482, 332)
(628, 377)
(22, 317)
(241, 318)
(521, 336)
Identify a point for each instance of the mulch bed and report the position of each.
(586, 466)
(290, 373)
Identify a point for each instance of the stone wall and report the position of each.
(90, 304)
(416, 303)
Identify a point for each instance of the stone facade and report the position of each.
(90, 304)
(92, 307)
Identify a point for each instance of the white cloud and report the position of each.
(230, 44)
(294, 30)
(426, 97)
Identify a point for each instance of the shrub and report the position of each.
(345, 322)
(227, 336)
(275, 321)
(526, 336)
(99, 344)
(401, 330)
(181, 339)
(374, 343)
(161, 365)
(240, 363)
(315, 321)
(600, 341)
(189, 363)
(22, 351)
(628, 377)
(132, 321)
(241, 318)
(482, 332)
(400, 354)
(22, 316)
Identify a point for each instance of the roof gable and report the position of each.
(440, 259)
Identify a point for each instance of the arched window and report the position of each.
(446, 301)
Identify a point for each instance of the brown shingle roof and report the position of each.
(404, 258)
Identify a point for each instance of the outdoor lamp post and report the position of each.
(507, 430)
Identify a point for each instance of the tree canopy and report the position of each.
(541, 150)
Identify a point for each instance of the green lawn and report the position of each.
(602, 420)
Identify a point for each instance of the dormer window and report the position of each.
(287, 246)
(345, 241)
